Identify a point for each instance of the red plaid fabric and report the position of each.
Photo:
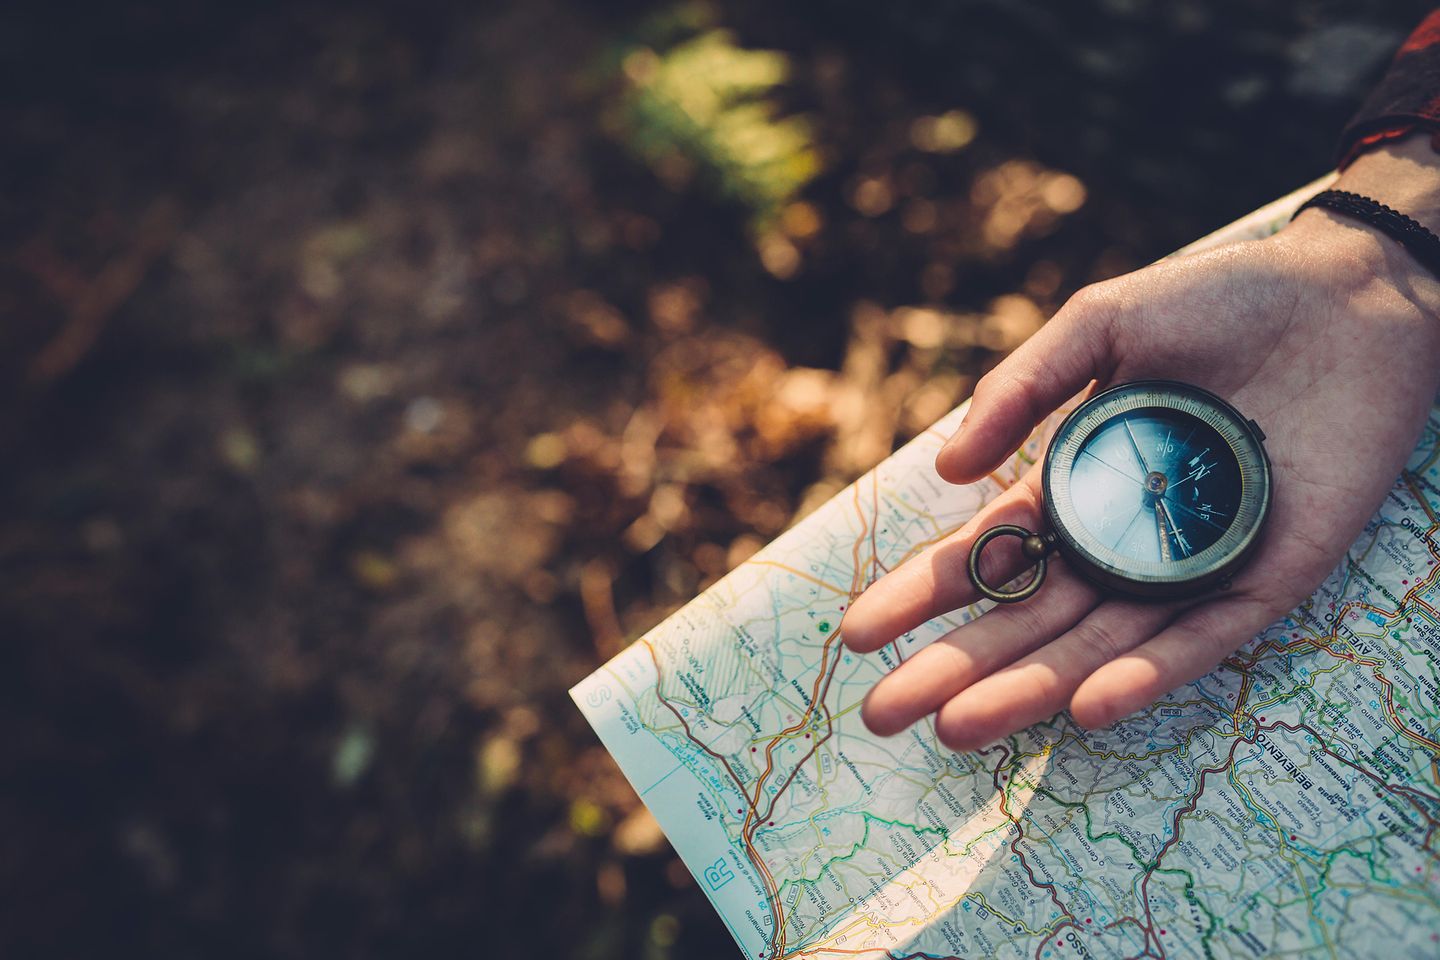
(1408, 99)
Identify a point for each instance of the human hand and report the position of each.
(1327, 334)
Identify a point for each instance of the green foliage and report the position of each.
(705, 107)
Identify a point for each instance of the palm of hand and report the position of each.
(1336, 365)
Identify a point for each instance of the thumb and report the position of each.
(1070, 351)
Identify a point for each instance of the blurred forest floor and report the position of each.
(371, 373)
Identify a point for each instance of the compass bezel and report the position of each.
(1192, 575)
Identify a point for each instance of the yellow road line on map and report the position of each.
(802, 575)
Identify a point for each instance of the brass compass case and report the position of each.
(1242, 475)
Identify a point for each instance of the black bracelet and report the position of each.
(1423, 245)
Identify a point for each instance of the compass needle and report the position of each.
(1109, 465)
(1203, 518)
(1169, 521)
(1135, 445)
(1162, 532)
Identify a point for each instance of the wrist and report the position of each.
(1348, 252)
(1384, 294)
(1403, 174)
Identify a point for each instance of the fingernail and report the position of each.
(954, 440)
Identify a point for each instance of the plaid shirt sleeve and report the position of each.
(1407, 100)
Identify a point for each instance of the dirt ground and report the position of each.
(371, 373)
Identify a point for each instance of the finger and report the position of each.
(1040, 685)
(921, 684)
(1071, 350)
(938, 580)
(1188, 649)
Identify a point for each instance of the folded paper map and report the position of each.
(1286, 804)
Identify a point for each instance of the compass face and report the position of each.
(1157, 488)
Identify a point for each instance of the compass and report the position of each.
(1154, 488)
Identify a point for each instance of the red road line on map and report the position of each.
(1020, 835)
(1375, 663)
(770, 888)
(1409, 793)
(818, 692)
(1433, 611)
(1408, 477)
(754, 817)
(1193, 804)
(1149, 924)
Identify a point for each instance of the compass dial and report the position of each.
(1157, 488)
